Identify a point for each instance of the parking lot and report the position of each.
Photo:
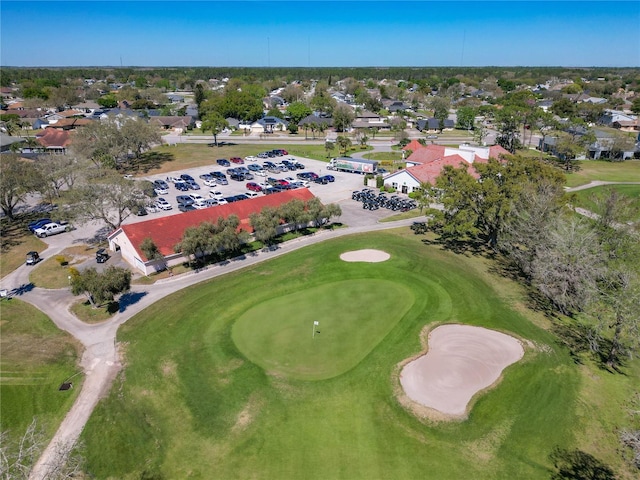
(338, 191)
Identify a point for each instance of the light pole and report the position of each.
(313, 333)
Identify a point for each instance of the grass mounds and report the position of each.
(280, 334)
(200, 397)
(590, 170)
(35, 358)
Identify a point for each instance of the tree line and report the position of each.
(587, 269)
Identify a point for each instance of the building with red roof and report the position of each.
(54, 140)
(167, 231)
(424, 165)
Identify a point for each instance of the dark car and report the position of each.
(33, 226)
(185, 208)
(300, 166)
(223, 162)
(184, 200)
(321, 180)
(102, 255)
(187, 178)
(220, 177)
(193, 185)
(182, 186)
(32, 258)
(239, 177)
(330, 178)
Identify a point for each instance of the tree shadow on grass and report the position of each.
(149, 161)
(578, 465)
(129, 298)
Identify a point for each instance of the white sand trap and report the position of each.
(366, 255)
(461, 361)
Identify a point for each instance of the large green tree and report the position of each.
(18, 177)
(101, 287)
(297, 111)
(215, 123)
(475, 209)
(343, 116)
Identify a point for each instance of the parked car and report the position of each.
(211, 202)
(252, 194)
(32, 258)
(205, 176)
(160, 190)
(195, 197)
(239, 177)
(237, 160)
(52, 228)
(223, 162)
(330, 178)
(210, 182)
(139, 210)
(432, 136)
(186, 208)
(200, 204)
(193, 185)
(182, 186)
(102, 255)
(173, 179)
(162, 204)
(254, 187)
(160, 183)
(187, 178)
(38, 223)
(321, 180)
(251, 158)
(184, 200)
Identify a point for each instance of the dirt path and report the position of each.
(598, 183)
(100, 361)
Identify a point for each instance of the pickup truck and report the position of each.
(52, 228)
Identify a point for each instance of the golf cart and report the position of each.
(32, 258)
(102, 255)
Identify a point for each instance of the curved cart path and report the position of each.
(100, 361)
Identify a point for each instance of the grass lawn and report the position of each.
(50, 273)
(224, 379)
(585, 198)
(16, 241)
(35, 358)
(590, 170)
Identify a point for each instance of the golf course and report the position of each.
(232, 378)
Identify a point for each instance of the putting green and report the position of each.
(353, 317)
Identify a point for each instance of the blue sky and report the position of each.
(320, 33)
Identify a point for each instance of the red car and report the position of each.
(254, 187)
(282, 183)
(237, 160)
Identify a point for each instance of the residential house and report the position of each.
(367, 119)
(180, 123)
(166, 232)
(269, 125)
(432, 125)
(54, 140)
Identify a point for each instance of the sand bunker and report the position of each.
(366, 255)
(461, 361)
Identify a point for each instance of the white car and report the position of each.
(200, 204)
(173, 179)
(216, 194)
(251, 158)
(162, 204)
(260, 173)
(210, 182)
(196, 198)
(161, 191)
(251, 194)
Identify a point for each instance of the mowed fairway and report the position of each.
(224, 380)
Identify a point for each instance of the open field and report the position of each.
(227, 380)
(51, 273)
(35, 358)
(591, 170)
